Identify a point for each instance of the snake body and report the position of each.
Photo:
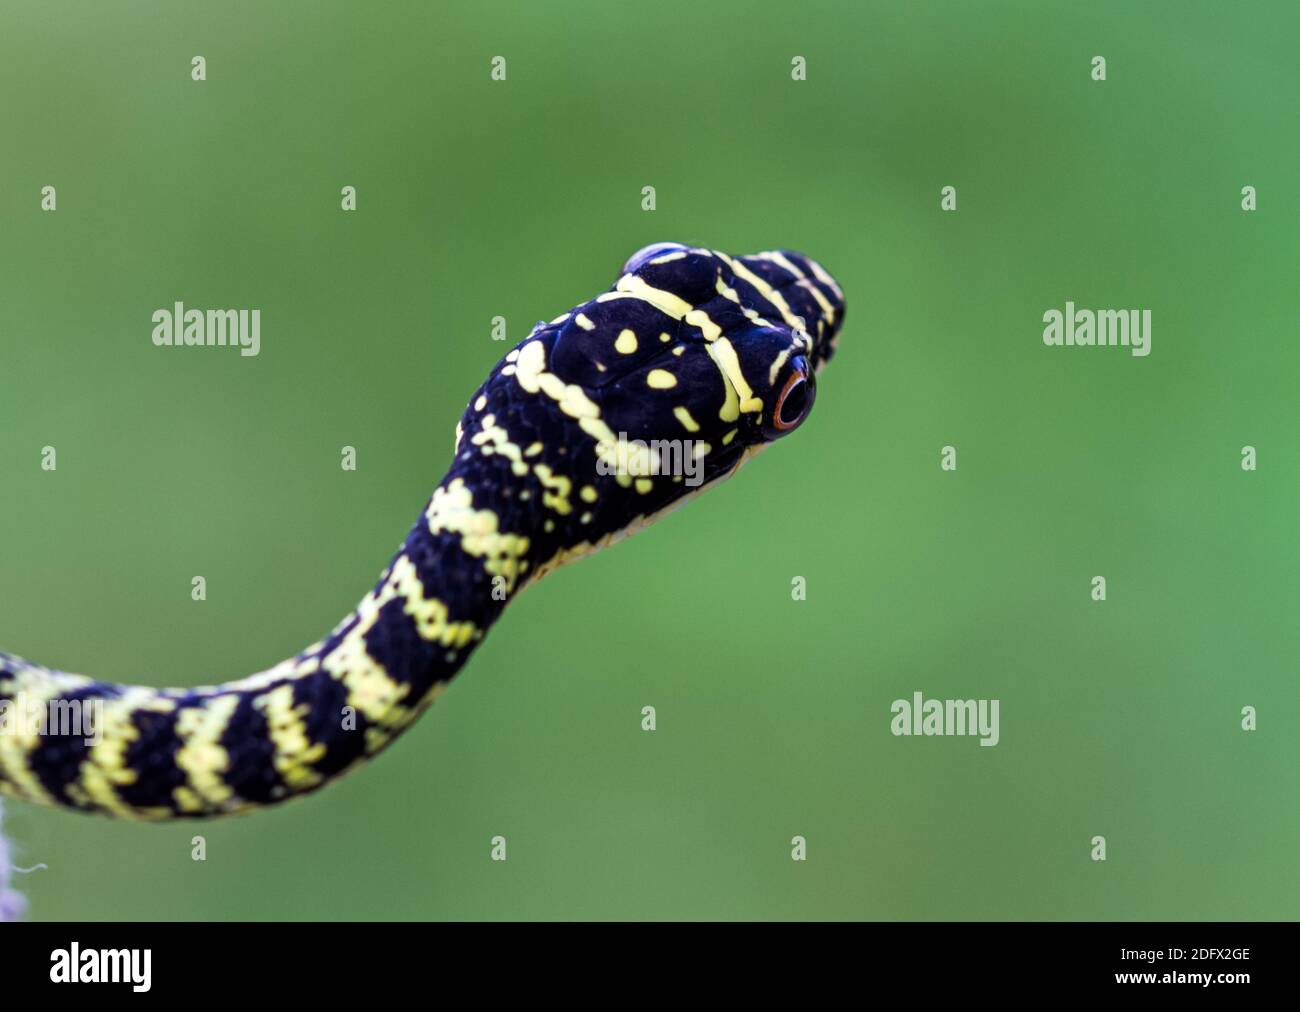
(690, 348)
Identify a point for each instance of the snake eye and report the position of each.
(646, 253)
(794, 401)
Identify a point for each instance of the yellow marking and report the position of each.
(763, 288)
(660, 379)
(573, 401)
(626, 458)
(588, 493)
(494, 439)
(726, 440)
(684, 416)
(533, 449)
(481, 403)
(295, 752)
(512, 354)
(556, 488)
(451, 509)
(201, 756)
(776, 366)
(828, 311)
(778, 258)
(562, 318)
(371, 690)
(730, 409)
(105, 768)
(35, 686)
(532, 376)
(667, 258)
(625, 343)
(585, 518)
(377, 738)
(644, 485)
(728, 292)
(673, 305)
(820, 274)
(728, 362)
(532, 362)
(699, 318)
(680, 350)
(569, 554)
(632, 287)
(582, 321)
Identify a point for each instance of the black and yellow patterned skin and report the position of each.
(689, 344)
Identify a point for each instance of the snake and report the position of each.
(589, 430)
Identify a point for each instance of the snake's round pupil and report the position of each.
(796, 400)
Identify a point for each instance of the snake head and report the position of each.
(694, 345)
(627, 404)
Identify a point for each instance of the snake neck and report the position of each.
(159, 754)
(472, 549)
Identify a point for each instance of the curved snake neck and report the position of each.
(689, 343)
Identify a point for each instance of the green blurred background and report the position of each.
(521, 198)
